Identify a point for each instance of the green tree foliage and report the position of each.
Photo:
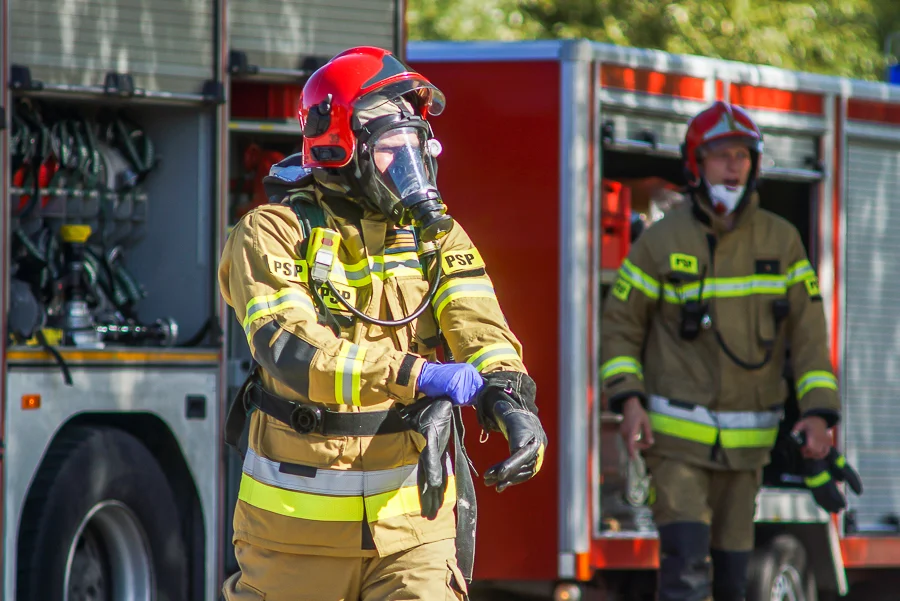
(837, 37)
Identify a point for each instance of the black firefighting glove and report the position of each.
(433, 419)
(506, 404)
(822, 475)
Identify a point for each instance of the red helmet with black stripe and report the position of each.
(357, 79)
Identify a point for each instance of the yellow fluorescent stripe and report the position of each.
(302, 505)
(263, 300)
(364, 270)
(638, 279)
(748, 438)
(684, 429)
(452, 297)
(292, 304)
(340, 364)
(486, 362)
(493, 353)
(621, 365)
(357, 374)
(403, 502)
(815, 379)
(818, 480)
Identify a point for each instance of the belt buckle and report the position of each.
(306, 419)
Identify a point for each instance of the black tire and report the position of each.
(778, 572)
(110, 475)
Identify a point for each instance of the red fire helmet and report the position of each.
(721, 121)
(357, 79)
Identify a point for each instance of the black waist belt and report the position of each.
(306, 419)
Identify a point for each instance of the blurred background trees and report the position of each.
(835, 37)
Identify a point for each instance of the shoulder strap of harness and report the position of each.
(308, 212)
(312, 216)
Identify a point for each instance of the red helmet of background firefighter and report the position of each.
(387, 163)
(722, 151)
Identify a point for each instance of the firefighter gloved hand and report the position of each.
(507, 405)
(824, 488)
(822, 475)
(460, 382)
(842, 471)
(433, 419)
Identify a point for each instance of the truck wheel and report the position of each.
(100, 523)
(778, 572)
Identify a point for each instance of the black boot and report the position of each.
(684, 565)
(730, 575)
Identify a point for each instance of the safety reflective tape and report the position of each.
(799, 271)
(326, 508)
(360, 274)
(748, 439)
(455, 289)
(680, 428)
(818, 480)
(340, 483)
(303, 505)
(348, 373)
(621, 365)
(726, 288)
(492, 353)
(841, 461)
(815, 379)
(632, 274)
(403, 502)
(287, 298)
(735, 429)
(402, 265)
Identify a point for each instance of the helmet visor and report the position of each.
(428, 95)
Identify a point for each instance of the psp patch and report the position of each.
(621, 290)
(459, 261)
(331, 301)
(684, 263)
(293, 270)
(812, 287)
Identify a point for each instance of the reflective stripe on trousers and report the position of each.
(332, 495)
(733, 429)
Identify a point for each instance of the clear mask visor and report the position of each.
(403, 159)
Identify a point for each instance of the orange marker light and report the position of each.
(31, 401)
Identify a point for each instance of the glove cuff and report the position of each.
(514, 387)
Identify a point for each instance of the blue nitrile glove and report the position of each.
(460, 382)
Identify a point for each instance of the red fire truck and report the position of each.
(552, 149)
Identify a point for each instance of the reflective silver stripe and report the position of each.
(337, 483)
(698, 415)
(263, 306)
(456, 288)
(799, 271)
(726, 420)
(410, 263)
(492, 354)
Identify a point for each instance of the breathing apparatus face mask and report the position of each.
(725, 198)
(398, 160)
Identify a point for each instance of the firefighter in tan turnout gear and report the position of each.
(344, 290)
(694, 341)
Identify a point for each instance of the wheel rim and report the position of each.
(787, 585)
(109, 558)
